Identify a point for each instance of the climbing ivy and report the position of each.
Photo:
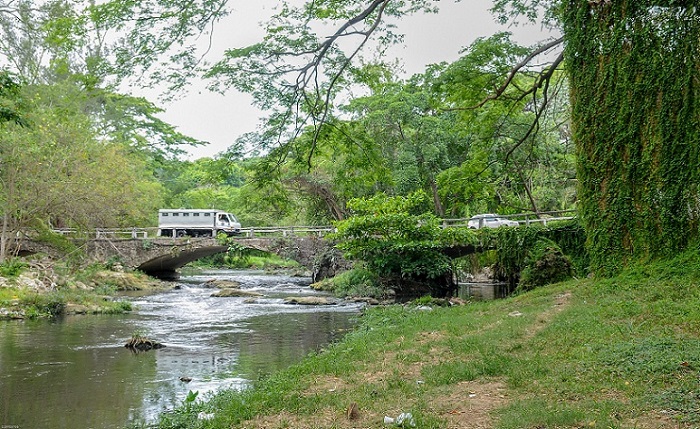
(633, 68)
(515, 248)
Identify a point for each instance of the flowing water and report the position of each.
(74, 372)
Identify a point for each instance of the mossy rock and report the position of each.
(309, 300)
(222, 284)
(142, 344)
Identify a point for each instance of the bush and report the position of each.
(400, 244)
(545, 264)
(354, 282)
(12, 268)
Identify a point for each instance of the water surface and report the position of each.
(75, 372)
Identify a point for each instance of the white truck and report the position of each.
(196, 223)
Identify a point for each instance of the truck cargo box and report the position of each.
(196, 223)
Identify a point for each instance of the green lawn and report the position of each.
(622, 352)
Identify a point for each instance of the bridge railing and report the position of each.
(524, 219)
(285, 231)
(107, 233)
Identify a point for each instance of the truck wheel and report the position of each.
(181, 233)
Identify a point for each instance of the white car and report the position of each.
(490, 220)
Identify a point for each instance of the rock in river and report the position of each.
(309, 300)
(234, 293)
(222, 284)
(140, 344)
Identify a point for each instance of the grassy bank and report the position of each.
(47, 290)
(613, 353)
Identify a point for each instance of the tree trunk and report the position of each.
(439, 209)
(3, 239)
(635, 106)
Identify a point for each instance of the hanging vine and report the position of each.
(634, 67)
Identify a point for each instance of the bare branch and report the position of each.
(543, 80)
(515, 70)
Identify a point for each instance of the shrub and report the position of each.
(354, 282)
(545, 264)
(12, 268)
(401, 244)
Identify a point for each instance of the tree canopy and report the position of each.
(633, 71)
(494, 130)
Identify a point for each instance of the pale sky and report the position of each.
(221, 119)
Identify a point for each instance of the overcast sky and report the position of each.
(221, 119)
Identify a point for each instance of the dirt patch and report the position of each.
(657, 420)
(470, 404)
(561, 302)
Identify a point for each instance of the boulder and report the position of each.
(222, 284)
(235, 293)
(309, 300)
(72, 308)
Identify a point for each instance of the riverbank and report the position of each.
(621, 352)
(41, 289)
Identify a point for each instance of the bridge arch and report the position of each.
(162, 257)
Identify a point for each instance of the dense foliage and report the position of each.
(398, 241)
(518, 250)
(486, 133)
(634, 68)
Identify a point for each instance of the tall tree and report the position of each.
(634, 68)
(417, 139)
(57, 171)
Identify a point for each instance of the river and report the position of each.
(75, 372)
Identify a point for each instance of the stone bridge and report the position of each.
(161, 257)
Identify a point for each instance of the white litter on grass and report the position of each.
(205, 416)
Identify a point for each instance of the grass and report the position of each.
(615, 353)
(257, 261)
(64, 291)
(26, 303)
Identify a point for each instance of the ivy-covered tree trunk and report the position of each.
(635, 87)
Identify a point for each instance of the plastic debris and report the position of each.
(405, 420)
(205, 416)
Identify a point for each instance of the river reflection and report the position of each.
(75, 372)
